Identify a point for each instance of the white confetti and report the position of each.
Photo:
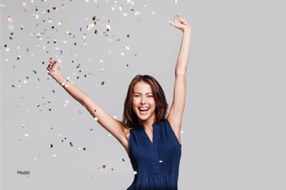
(96, 119)
(126, 47)
(11, 27)
(122, 54)
(182, 131)
(27, 135)
(160, 161)
(54, 155)
(135, 172)
(35, 159)
(9, 19)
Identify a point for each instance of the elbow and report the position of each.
(180, 73)
(85, 101)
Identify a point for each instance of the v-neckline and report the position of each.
(152, 141)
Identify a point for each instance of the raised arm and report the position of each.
(115, 127)
(177, 108)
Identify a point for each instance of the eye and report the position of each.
(136, 95)
(150, 96)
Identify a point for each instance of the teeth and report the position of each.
(143, 109)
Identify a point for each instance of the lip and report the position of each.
(144, 108)
(143, 112)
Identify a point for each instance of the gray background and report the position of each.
(234, 123)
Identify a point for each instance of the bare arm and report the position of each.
(177, 108)
(115, 127)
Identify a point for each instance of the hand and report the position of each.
(53, 67)
(180, 23)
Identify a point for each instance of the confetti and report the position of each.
(160, 161)
(26, 135)
(9, 19)
(96, 119)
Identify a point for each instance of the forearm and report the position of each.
(75, 92)
(184, 53)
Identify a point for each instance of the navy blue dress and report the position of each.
(155, 164)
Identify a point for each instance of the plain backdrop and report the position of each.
(233, 131)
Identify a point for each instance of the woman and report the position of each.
(151, 139)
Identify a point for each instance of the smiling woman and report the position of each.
(150, 136)
(145, 96)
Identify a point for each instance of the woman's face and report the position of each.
(143, 101)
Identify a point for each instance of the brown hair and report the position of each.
(129, 117)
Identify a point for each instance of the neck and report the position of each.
(148, 123)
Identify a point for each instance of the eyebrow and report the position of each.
(140, 93)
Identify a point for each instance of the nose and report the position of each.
(143, 101)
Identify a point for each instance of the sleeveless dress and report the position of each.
(155, 164)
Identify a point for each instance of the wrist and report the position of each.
(55, 73)
(187, 29)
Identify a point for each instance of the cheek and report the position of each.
(134, 103)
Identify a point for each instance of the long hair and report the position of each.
(130, 118)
